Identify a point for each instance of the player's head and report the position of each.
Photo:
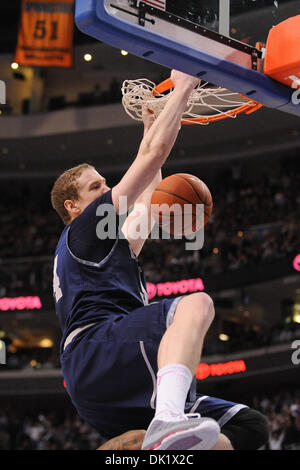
(75, 189)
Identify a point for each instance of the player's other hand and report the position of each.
(183, 81)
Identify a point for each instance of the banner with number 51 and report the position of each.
(45, 36)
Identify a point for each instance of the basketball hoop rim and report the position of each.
(247, 108)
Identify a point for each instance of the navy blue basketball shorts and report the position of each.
(110, 372)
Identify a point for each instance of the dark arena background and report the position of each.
(54, 118)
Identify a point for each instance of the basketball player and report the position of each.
(129, 365)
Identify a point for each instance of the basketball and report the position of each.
(181, 204)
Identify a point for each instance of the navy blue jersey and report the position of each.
(94, 279)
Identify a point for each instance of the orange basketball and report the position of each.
(178, 202)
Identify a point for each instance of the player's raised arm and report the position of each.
(143, 199)
(157, 142)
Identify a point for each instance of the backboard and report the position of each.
(216, 40)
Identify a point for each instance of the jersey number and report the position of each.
(56, 287)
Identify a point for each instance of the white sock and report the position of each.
(173, 384)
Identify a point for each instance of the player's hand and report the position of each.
(183, 81)
(130, 440)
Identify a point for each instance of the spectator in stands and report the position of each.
(291, 434)
(276, 439)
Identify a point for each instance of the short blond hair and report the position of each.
(66, 187)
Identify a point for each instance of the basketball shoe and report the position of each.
(189, 432)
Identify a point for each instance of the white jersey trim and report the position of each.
(149, 367)
(91, 263)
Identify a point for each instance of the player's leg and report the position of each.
(180, 351)
(247, 430)
(178, 358)
(183, 341)
(242, 428)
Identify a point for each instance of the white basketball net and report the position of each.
(206, 103)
